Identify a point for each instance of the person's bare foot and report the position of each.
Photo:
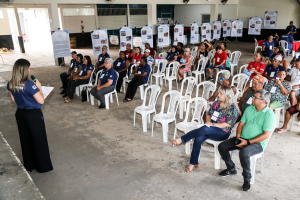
(177, 141)
(191, 167)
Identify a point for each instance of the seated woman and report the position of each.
(210, 46)
(224, 47)
(74, 72)
(185, 65)
(121, 65)
(82, 78)
(219, 122)
(172, 57)
(107, 81)
(279, 89)
(141, 75)
(136, 58)
(201, 53)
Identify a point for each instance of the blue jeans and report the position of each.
(213, 67)
(200, 135)
(290, 47)
(245, 154)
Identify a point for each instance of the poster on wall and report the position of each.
(163, 32)
(178, 33)
(138, 42)
(226, 28)
(114, 39)
(217, 30)
(61, 43)
(255, 26)
(237, 28)
(147, 36)
(194, 33)
(270, 19)
(205, 32)
(125, 37)
(99, 39)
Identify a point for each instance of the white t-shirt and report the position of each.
(295, 76)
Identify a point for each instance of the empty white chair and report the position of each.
(241, 80)
(224, 72)
(285, 46)
(242, 68)
(80, 87)
(163, 55)
(197, 118)
(169, 116)
(146, 110)
(191, 82)
(173, 66)
(142, 87)
(234, 61)
(126, 80)
(207, 91)
(293, 118)
(160, 73)
(110, 96)
(202, 62)
(90, 87)
(277, 113)
(256, 46)
(253, 161)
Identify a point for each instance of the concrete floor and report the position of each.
(98, 154)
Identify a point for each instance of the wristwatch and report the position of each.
(248, 142)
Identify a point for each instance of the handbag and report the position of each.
(83, 96)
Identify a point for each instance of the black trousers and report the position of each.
(33, 138)
(65, 81)
(132, 87)
(120, 80)
(72, 86)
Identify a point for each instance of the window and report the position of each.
(138, 11)
(111, 11)
(78, 11)
(206, 18)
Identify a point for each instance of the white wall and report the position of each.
(73, 24)
(228, 11)
(5, 28)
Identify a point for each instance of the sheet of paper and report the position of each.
(46, 90)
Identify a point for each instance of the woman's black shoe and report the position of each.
(63, 92)
(101, 106)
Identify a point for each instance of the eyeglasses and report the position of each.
(254, 97)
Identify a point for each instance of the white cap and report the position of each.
(278, 57)
(147, 50)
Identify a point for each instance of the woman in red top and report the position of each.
(129, 53)
(136, 58)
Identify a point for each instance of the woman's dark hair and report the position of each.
(123, 52)
(80, 56)
(174, 47)
(89, 61)
(139, 49)
(180, 44)
(218, 47)
(224, 44)
(144, 58)
(206, 46)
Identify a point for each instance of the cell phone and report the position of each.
(237, 141)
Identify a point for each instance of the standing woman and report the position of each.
(185, 64)
(121, 65)
(219, 122)
(29, 99)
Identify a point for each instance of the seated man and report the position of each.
(149, 58)
(289, 39)
(129, 52)
(294, 78)
(279, 89)
(106, 83)
(65, 75)
(272, 69)
(101, 58)
(152, 51)
(256, 67)
(252, 135)
(219, 61)
(288, 114)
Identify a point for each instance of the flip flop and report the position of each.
(188, 170)
(281, 130)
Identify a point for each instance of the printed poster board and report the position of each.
(217, 30)
(178, 33)
(61, 43)
(270, 19)
(147, 36)
(99, 39)
(205, 32)
(226, 28)
(163, 33)
(125, 37)
(195, 39)
(237, 28)
(255, 26)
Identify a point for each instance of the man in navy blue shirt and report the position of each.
(65, 75)
(268, 46)
(272, 69)
(106, 83)
(288, 38)
(292, 29)
(101, 58)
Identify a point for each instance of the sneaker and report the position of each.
(246, 186)
(101, 106)
(226, 172)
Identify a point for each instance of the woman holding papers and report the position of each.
(219, 122)
(29, 98)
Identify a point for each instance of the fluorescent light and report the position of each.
(87, 6)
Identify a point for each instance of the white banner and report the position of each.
(99, 39)
(178, 33)
(61, 43)
(137, 42)
(125, 37)
(226, 28)
(163, 32)
(217, 30)
(147, 36)
(237, 28)
(195, 39)
(114, 39)
(270, 19)
(205, 32)
(255, 26)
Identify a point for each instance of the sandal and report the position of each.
(189, 170)
(68, 100)
(280, 130)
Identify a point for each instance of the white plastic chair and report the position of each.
(241, 80)
(173, 66)
(229, 53)
(163, 55)
(277, 113)
(191, 82)
(147, 110)
(256, 46)
(266, 81)
(88, 90)
(235, 57)
(126, 80)
(80, 87)
(185, 73)
(110, 95)
(253, 160)
(293, 118)
(169, 116)
(284, 45)
(195, 48)
(217, 76)
(202, 62)
(242, 68)
(142, 87)
(208, 89)
(197, 118)
(160, 73)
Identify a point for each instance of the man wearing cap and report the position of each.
(292, 29)
(65, 75)
(288, 38)
(294, 78)
(101, 58)
(272, 69)
(256, 67)
(152, 52)
(149, 58)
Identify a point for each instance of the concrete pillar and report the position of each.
(214, 12)
(96, 17)
(152, 17)
(53, 16)
(128, 15)
(20, 38)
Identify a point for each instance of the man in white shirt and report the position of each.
(149, 58)
(294, 78)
